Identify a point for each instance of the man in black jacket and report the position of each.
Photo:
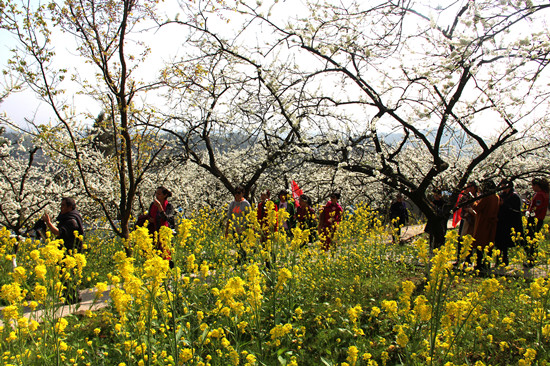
(509, 217)
(68, 221)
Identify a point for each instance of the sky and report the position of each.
(164, 44)
(25, 105)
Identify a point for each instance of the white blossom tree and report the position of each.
(421, 88)
(29, 185)
(106, 40)
(230, 113)
(371, 92)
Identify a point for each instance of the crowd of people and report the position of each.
(301, 215)
(492, 216)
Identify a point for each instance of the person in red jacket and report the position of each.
(535, 216)
(161, 213)
(329, 218)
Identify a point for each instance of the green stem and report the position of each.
(149, 317)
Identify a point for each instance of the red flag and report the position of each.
(457, 215)
(296, 191)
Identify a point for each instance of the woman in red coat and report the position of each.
(486, 218)
(329, 218)
(535, 217)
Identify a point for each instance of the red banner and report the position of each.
(296, 191)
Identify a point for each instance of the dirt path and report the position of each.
(409, 232)
(88, 303)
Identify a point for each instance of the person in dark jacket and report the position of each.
(437, 229)
(509, 217)
(290, 208)
(305, 216)
(398, 216)
(69, 228)
(69, 221)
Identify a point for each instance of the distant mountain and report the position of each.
(18, 138)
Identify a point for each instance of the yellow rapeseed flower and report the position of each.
(61, 325)
(390, 306)
(191, 265)
(353, 354)
(156, 269)
(10, 312)
(40, 272)
(529, 357)
(13, 293)
(39, 293)
(284, 276)
(251, 359)
(52, 253)
(19, 274)
(354, 313)
(280, 330)
(401, 339)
